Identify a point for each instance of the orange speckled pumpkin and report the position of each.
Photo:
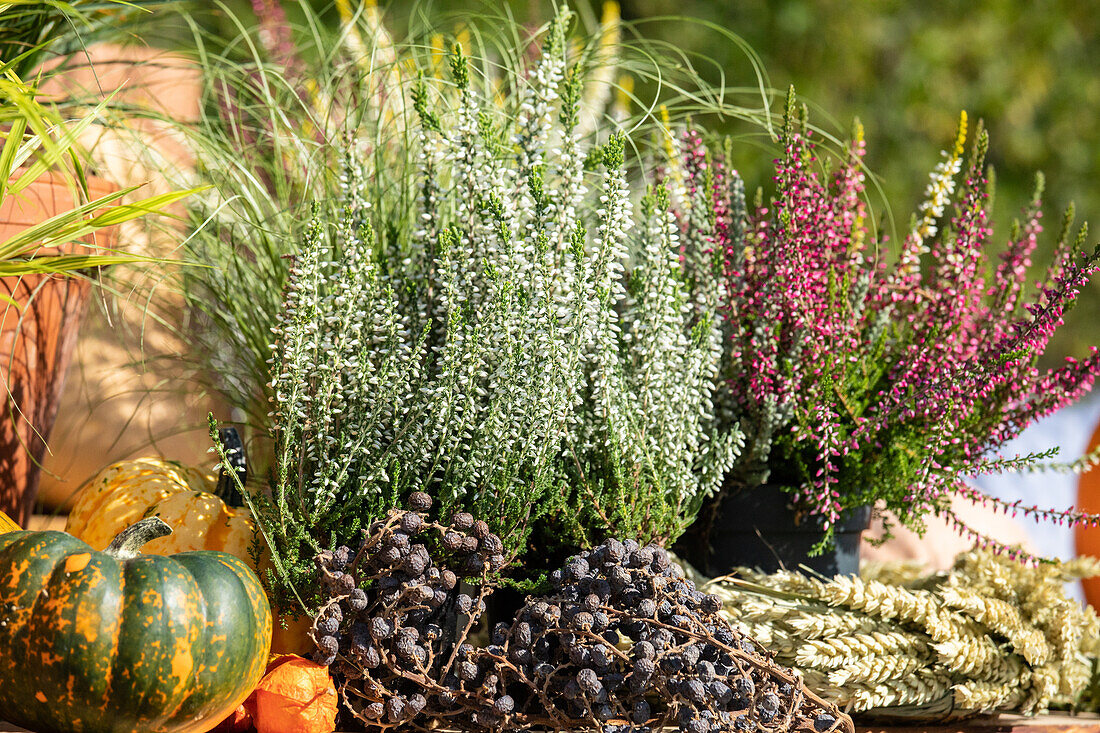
(113, 641)
(1088, 538)
(183, 497)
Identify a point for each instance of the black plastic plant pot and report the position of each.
(757, 528)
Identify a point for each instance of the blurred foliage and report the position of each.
(906, 70)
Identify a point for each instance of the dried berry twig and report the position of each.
(624, 642)
(388, 629)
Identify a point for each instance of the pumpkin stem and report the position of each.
(233, 447)
(129, 541)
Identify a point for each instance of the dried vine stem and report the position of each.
(623, 643)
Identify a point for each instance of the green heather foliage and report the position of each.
(507, 354)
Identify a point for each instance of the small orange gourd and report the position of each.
(199, 504)
(291, 633)
(294, 696)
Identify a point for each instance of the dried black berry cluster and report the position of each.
(624, 644)
(394, 605)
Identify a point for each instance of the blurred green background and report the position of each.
(1028, 68)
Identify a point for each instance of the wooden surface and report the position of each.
(1003, 724)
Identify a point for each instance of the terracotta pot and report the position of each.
(1088, 538)
(128, 393)
(36, 340)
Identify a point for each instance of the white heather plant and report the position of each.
(505, 355)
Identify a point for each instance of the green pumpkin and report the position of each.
(117, 641)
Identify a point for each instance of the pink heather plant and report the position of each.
(857, 381)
